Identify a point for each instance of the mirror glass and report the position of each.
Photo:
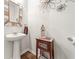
(13, 11)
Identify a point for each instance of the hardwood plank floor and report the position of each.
(28, 55)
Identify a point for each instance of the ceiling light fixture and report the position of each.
(54, 4)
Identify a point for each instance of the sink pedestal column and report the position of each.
(16, 49)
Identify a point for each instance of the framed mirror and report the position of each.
(15, 14)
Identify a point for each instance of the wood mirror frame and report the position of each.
(7, 13)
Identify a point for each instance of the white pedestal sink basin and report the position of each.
(15, 37)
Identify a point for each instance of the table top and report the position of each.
(46, 39)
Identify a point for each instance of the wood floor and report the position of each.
(28, 55)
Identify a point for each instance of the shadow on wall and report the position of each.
(29, 40)
(63, 48)
(58, 52)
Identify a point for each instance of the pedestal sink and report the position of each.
(15, 37)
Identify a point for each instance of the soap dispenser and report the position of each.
(26, 29)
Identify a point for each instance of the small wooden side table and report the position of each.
(45, 45)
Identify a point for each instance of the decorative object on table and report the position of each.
(55, 4)
(43, 31)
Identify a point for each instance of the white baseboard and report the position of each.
(32, 52)
(29, 51)
(25, 51)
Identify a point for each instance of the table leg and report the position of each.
(36, 53)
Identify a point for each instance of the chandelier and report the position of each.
(59, 5)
